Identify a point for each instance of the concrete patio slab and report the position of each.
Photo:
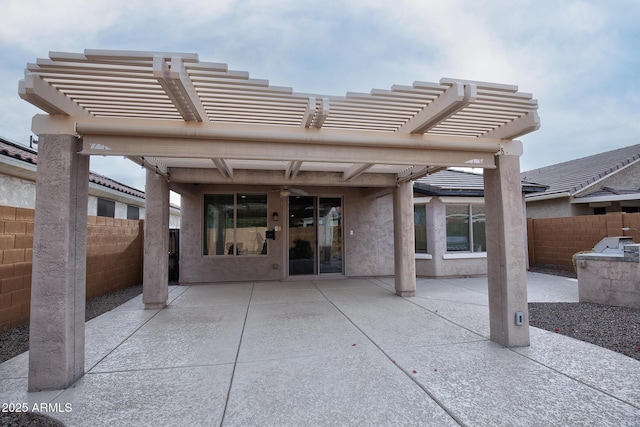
(284, 331)
(484, 383)
(214, 295)
(136, 303)
(264, 296)
(575, 359)
(179, 337)
(546, 288)
(108, 331)
(190, 396)
(335, 352)
(359, 387)
(391, 322)
(470, 316)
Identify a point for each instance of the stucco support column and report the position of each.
(506, 260)
(58, 284)
(404, 240)
(155, 280)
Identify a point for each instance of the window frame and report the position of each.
(470, 230)
(423, 207)
(232, 251)
(131, 209)
(107, 204)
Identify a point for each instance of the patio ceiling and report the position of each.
(201, 122)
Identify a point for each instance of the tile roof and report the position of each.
(450, 182)
(17, 151)
(29, 155)
(572, 176)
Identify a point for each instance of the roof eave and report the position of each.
(539, 197)
(611, 198)
(590, 186)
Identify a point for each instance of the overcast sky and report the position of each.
(580, 59)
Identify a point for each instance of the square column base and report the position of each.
(405, 293)
(155, 306)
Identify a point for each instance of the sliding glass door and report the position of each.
(302, 235)
(315, 235)
(330, 235)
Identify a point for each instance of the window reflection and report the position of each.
(235, 224)
(464, 235)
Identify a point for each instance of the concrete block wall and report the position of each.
(114, 260)
(114, 254)
(554, 241)
(16, 243)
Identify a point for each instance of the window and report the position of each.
(133, 212)
(235, 224)
(106, 208)
(463, 234)
(420, 228)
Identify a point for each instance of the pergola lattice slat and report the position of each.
(174, 87)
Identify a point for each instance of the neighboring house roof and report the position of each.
(450, 182)
(30, 156)
(18, 151)
(574, 177)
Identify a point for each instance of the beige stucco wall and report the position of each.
(369, 250)
(17, 192)
(439, 266)
(21, 193)
(625, 178)
(120, 210)
(556, 208)
(197, 268)
(367, 233)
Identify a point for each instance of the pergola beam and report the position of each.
(38, 92)
(452, 100)
(179, 88)
(278, 179)
(356, 170)
(517, 127)
(417, 172)
(131, 128)
(321, 114)
(150, 163)
(280, 151)
(292, 169)
(223, 167)
(309, 112)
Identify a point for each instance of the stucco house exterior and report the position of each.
(107, 197)
(593, 185)
(275, 184)
(450, 223)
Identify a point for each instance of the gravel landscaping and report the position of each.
(615, 328)
(31, 419)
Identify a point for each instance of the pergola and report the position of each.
(188, 121)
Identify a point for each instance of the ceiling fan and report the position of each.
(286, 191)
